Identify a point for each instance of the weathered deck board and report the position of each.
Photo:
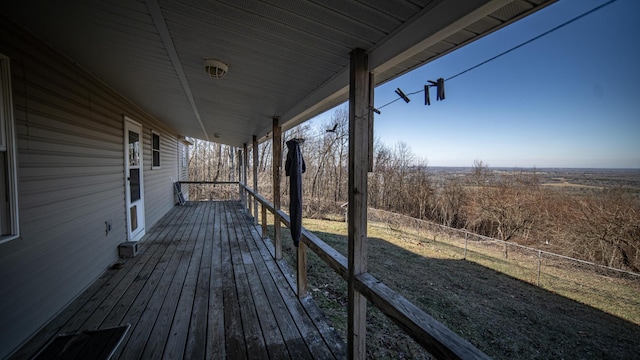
(203, 286)
(147, 306)
(275, 334)
(235, 346)
(215, 330)
(310, 334)
(249, 318)
(283, 317)
(175, 345)
(197, 333)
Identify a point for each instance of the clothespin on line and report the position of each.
(439, 85)
(402, 95)
(427, 99)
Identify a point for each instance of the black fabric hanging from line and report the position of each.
(294, 167)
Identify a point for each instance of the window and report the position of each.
(155, 150)
(8, 179)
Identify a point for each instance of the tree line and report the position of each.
(600, 225)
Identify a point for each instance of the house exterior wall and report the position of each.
(70, 165)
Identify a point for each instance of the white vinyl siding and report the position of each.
(70, 172)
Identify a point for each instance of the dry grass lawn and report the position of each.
(505, 317)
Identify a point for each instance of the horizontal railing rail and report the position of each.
(436, 338)
(211, 195)
(211, 182)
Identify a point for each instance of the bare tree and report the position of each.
(610, 228)
(481, 171)
(449, 204)
(505, 207)
(423, 192)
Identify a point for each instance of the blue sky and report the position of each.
(569, 99)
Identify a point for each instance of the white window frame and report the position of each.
(153, 151)
(8, 145)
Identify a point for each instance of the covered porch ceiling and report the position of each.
(286, 58)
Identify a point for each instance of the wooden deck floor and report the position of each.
(203, 286)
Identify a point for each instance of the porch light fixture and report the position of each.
(215, 68)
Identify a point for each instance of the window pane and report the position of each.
(156, 158)
(134, 149)
(134, 184)
(156, 142)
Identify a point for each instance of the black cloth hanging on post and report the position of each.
(294, 167)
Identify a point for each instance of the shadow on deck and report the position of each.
(203, 286)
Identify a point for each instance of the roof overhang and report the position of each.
(287, 58)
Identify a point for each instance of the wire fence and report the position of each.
(612, 290)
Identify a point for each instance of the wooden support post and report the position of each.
(232, 169)
(302, 269)
(264, 222)
(240, 189)
(245, 168)
(255, 179)
(359, 131)
(370, 120)
(277, 164)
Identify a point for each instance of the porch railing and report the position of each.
(436, 338)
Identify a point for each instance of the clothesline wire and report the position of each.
(597, 8)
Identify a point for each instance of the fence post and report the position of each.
(539, 265)
(465, 245)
